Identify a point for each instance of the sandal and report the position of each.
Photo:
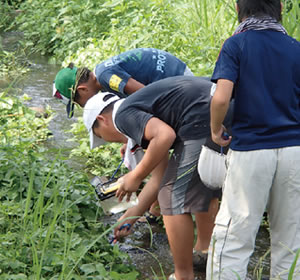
(199, 260)
(150, 218)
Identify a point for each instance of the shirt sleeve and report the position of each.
(132, 123)
(228, 63)
(114, 79)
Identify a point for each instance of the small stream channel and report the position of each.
(147, 247)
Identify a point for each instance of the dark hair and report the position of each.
(95, 124)
(259, 8)
(107, 109)
(84, 75)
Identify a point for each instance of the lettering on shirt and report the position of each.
(161, 62)
(114, 82)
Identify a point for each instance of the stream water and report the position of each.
(147, 246)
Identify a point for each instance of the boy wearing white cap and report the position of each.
(123, 75)
(169, 114)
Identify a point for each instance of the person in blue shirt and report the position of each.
(122, 74)
(127, 72)
(258, 67)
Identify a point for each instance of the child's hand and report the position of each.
(221, 137)
(125, 228)
(128, 184)
(121, 231)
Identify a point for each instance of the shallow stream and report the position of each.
(147, 247)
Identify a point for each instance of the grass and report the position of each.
(293, 266)
(49, 225)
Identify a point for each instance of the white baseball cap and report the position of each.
(94, 107)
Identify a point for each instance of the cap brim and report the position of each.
(70, 109)
(95, 141)
(54, 90)
(59, 96)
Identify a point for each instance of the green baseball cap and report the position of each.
(64, 88)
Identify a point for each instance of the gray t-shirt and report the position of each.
(182, 102)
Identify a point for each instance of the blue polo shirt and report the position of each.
(265, 69)
(146, 65)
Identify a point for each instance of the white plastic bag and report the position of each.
(212, 168)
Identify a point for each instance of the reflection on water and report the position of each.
(37, 84)
(147, 247)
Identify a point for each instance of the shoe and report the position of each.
(199, 260)
(150, 218)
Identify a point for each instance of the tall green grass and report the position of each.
(192, 30)
(49, 225)
(89, 32)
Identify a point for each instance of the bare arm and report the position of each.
(161, 137)
(218, 109)
(132, 86)
(146, 197)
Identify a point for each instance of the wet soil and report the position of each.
(149, 251)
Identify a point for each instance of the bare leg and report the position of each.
(154, 209)
(205, 224)
(180, 231)
(153, 214)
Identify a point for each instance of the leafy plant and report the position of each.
(49, 225)
(91, 31)
(174, 27)
(60, 26)
(6, 12)
(19, 124)
(291, 17)
(12, 63)
(101, 161)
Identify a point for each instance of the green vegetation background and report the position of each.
(49, 225)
